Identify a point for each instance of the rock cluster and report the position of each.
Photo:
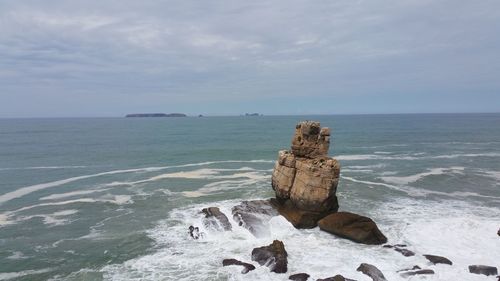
(305, 179)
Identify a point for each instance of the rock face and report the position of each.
(354, 227)
(246, 266)
(254, 216)
(215, 219)
(274, 256)
(438, 259)
(305, 177)
(299, 277)
(370, 270)
(483, 269)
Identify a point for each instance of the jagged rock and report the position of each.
(438, 259)
(254, 216)
(215, 219)
(299, 218)
(483, 269)
(299, 277)
(194, 232)
(370, 270)
(310, 140)
(273, 256)
(337, 277)
(417, 272)
(306, 175)
(352, 226)
(246, 266)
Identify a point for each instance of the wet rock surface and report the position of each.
(254, 216)
(215, 219)
(438, 259)
(246, 266)
(417, 272)
(273, 256)
(299, 277)
(483, 269)
(374, 273)
(194, 232)
(353, 227)
(335, 278)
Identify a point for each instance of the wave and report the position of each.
(404, 180)
(20, 192)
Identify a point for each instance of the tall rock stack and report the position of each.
(305, 179)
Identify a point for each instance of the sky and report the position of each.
(86, 58)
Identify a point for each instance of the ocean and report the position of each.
(112, 198)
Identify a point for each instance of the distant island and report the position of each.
(156, 115)
(253, 114)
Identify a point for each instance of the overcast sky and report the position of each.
(109, 58)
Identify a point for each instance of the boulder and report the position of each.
(374, 273)
(483, 269)
(215, 219)
(254, 216)
(353, 227)
(298, 217)
(438, 259)
(299, 277)
(273, 256)
(399, 248)
(246, 266)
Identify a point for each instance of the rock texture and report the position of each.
(274, 256)
(354, 227)
(299, 277)
(254, 216)
(246, 266)
(305, 179)
(215, 219)
(483, 269)
(335, 278)
(370, 270)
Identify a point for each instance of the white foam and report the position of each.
(12, 275)
(71, 194)
(404, 180)
(16, 255)
(415, 156)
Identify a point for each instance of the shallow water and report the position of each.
(111, 199)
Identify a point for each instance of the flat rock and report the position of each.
(246, 266)
(353, 227)
(417, 272)
(336, 278)
(215, 219)
(299, 277)
(438, 259)
(483, 269)
(273, 256)
(254, 216)
(374, 273)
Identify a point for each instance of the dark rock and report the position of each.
(483, 269)
(335, 278)
(298, 217)
(195, 233)
(388, 246)
(438, 259)
(299, 277)
(273, 256)
(370, 270)
(404, 252)
(408, 269)
(354, 227)
(400, 245)
(246, 266)
(498, 232)
(254, 216)
(417, 272)
(215, 219)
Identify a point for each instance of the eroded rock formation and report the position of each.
(353, 227)
(305, 179)
(274, 256)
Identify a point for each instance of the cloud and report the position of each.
(56, 56)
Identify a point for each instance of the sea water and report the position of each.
(112, 198)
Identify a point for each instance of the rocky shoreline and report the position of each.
(305, 181)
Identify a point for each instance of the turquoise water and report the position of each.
(111, 198)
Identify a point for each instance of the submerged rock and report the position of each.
(483, 269)
(306, 176)
(352, 226)
(370, 270)
(417, 272)
(438, 259)
(215, 219)
(299, 277)
(273, 256)
(408, 269)
(254, 216)
(246, 266)
(194, 232)
(335, 278)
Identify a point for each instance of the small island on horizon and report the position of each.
(156, 115)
